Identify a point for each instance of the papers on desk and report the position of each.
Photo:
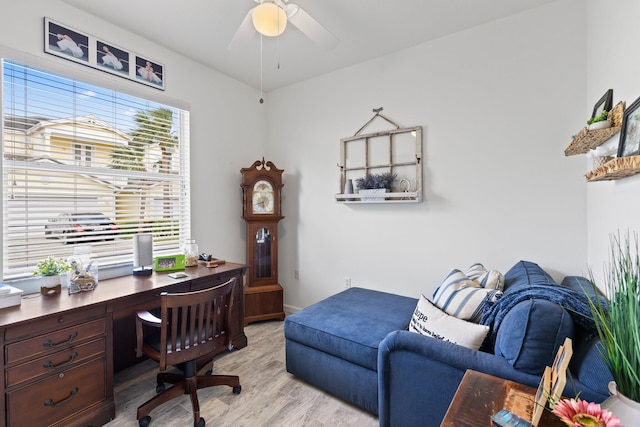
(9, 296)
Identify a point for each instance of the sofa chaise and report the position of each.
(356, 346)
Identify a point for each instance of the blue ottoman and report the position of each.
(333, 344)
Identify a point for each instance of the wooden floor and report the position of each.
(270, 396)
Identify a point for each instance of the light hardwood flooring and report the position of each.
(270, 396)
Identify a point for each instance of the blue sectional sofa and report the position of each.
(356, 346)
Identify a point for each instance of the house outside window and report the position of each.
(86, 165)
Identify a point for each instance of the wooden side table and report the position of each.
(479, 396)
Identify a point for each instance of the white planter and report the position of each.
(50, 281)
(372, 191)
(621, 406)
(600, 125)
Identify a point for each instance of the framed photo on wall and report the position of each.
(111, 58)
(149, 72)
(630, 132)
(65, 42)
(604, 104)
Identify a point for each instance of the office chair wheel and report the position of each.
(237, 389)
(144, 421)
(199, 423)
(160, 388)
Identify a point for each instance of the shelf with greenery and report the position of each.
(588, 139)
(389, 159)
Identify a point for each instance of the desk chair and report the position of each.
(192, 325)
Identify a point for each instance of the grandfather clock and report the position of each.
(261, 189)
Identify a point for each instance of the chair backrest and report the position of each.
(195, 324)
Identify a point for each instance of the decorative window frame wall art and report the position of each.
(630, 132)
(604, 103)
(66, 42)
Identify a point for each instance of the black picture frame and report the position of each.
(604, 103)
(629, 144)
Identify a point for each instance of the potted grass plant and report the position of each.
(375, 183)
(618, 325)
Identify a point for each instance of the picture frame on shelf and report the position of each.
(629, 144)
(604, 103)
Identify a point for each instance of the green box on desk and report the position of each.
(169, 263)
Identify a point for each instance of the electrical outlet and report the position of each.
(296, 274)
(347, 282)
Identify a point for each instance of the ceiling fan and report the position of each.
(270, 18)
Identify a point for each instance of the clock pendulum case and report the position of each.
(261, 190)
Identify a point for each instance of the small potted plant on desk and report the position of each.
(375, 183)
(49, 271)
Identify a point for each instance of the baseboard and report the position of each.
(289, 309)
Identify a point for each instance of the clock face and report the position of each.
(262, 199)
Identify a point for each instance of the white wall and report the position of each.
(496, 106)
(612, 62)
(227, 122)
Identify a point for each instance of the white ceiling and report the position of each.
(202, 29)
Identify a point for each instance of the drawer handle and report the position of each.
(50, 402)
(49, 343)
(50, 364)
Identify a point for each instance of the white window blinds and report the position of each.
(82, 164)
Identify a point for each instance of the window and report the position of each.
(83, 164)
(82, 154)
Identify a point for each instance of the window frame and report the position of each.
(87, 155)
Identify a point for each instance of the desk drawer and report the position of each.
(57, 397)
(56, 362)
(50, 323)
(53, 341)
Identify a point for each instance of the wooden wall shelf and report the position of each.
(587, 140)
(397, 150)
(618, 168)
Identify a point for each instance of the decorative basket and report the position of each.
(599, 161)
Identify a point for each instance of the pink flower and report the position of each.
(580, 413)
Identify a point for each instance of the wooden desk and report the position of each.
(59, 351)
(479, 396)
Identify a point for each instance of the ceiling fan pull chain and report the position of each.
(261, 92)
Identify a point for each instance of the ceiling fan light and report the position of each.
(269, 19)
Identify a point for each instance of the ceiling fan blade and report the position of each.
(312, 28)
(244, 33)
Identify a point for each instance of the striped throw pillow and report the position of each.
(489, 279)
(462, 297)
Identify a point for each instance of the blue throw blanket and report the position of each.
(576, 303)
